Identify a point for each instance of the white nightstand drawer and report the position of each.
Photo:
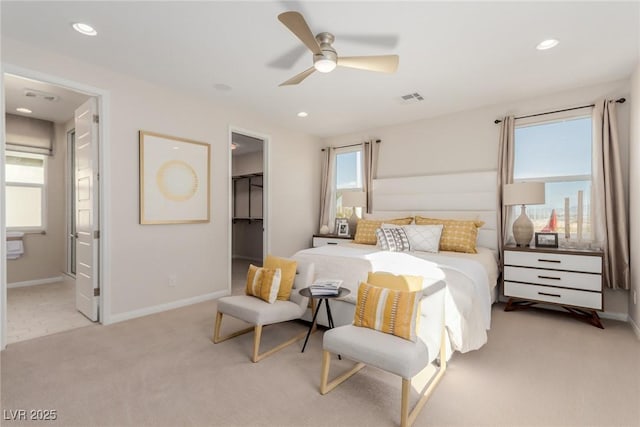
(584, 263)
(566, 279)
(555, 295)
(322, 241)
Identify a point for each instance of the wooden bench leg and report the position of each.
(324, 375)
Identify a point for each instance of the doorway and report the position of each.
(39, 160)
(248, 205)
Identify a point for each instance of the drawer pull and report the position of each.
(550, 295)
(557, 261)
(549, 277)
(332, 243)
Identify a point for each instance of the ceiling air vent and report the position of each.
(411, 98)
(45, 96)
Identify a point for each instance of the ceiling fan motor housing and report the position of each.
(325, 40)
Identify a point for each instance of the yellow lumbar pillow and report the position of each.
(389, 311)
(288, 267)
(366, 229)
(457, 235)
(263, 283)
(391, 281)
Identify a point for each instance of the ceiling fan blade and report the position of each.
(298, 78)
(289, 58)
(388, 41)
(295, 22)
(382, 63)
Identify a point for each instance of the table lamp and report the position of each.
(354, 199)
(523, 193)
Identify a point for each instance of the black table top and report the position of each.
(342, 292)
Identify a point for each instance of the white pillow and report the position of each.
(424, 238)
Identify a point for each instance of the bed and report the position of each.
(471, 279)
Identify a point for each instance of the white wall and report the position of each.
(44, 255)
(468, 141)
(634, 203)
(143, 257)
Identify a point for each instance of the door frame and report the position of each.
(104, 272)
(266, 199)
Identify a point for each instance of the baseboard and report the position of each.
(35, 282)
(121, 317)
(623, 317)
(635, 327)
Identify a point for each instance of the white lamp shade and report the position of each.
(354, 199)
(524, 193)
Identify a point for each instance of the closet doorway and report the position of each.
(248, 205)
(44, 161)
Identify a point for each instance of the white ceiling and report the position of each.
(59, 110)
(245, 144)
(456, 55)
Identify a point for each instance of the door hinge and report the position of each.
(96, 118)
(96, 292)
(96, 234)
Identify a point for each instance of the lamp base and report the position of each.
(353, 223)
(523, 229)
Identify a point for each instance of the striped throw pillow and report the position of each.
(263, 283)
(389, 311)
(393, 239)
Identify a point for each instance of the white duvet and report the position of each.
(468, 298)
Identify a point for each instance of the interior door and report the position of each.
(86, 209)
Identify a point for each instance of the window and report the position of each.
(25, 191)
(349, 177)
(559, 154)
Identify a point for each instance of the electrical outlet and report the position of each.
(173, 281)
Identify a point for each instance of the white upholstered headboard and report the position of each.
(469, 195)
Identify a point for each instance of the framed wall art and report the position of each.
(174, 180)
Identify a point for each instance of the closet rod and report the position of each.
(352, 145)
(620, 101)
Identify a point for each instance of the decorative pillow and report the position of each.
(393, 239)
(366, 229)
(389, 311)
(400, 282)
(424, 238)
(288, 267)
(457, 235)
(263, 283)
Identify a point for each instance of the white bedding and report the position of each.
(470, 279)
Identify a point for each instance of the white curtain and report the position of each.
(327, 189)
(610, 219)
(505, 176)
(370, 150)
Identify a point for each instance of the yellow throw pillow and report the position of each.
(263, 283)
(387, 310)
(457, 235)
(366, 229)
(288, 267)
(391, 281)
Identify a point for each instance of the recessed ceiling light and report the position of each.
(303, 114)
(547, 44)
(85, 29)
(23, 110)
(234, 145)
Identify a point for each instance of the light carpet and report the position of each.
(538, 369)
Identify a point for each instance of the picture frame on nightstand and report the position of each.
(342, 227)
(546, 240)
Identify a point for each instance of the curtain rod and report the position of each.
(353, 145)
(620, 101)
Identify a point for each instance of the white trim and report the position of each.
(103, 99)
(3, 246)
(635, 327)
(35, 282)
(121, 317)
(622, 317)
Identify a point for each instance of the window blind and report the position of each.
(29, 135)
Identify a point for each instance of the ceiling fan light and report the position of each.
(324, 65)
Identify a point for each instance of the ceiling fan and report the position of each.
(325, 57)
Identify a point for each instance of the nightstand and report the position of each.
(330, 239)
(569, 278)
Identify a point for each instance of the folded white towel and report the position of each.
(15, 249)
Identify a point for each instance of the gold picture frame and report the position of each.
(175, 174)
